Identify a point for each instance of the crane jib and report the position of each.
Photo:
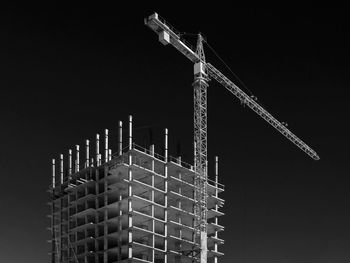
(160, 27)
(229, 85)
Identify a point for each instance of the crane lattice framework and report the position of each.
(203, 71)
(200, 85)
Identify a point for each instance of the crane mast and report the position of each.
(203, 72)
(200, 85)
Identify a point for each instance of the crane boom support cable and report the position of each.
(230, 86)
(225, 64)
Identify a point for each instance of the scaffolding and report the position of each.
(132, 206)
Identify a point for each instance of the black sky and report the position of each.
(69, 71)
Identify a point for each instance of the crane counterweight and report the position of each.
(164, 38)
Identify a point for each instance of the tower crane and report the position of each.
(203, 72)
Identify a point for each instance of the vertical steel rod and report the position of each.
(120, 142)
(106, 145)
(97, 149)
(77, 161)
(130, 132)
(87, 154)
(53, 173)
(61, 168)
(70, 162)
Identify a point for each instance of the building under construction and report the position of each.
(129, 205)
(139, 206)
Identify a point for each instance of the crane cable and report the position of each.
(217, 55)
(235, 75)
(231, 71)
(241, 82)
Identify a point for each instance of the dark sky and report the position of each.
(70, 71)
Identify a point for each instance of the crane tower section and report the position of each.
(200, 85)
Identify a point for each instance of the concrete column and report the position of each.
(180, 206)
(120, 228)
(130, 193)
(70, 167)
(53, 236)
(216, 206)
(105, 218)
(166, 195)
(96, 177)
(204, 235)
(216, 175)
(96, 220)
(152, 206)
